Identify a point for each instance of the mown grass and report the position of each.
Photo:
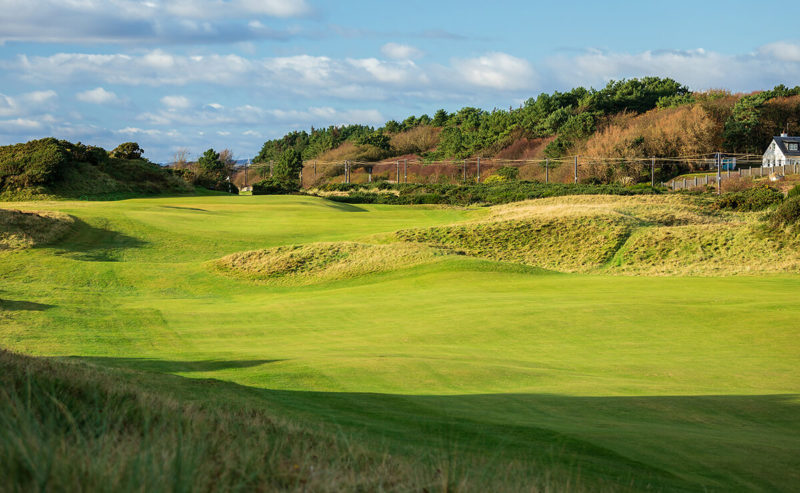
(498, 375)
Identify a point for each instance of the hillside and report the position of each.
(49, 168)
(628, 119)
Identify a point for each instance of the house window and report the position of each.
(792, 146)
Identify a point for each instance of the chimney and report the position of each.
(784, 134)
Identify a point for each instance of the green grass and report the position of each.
(671, 383)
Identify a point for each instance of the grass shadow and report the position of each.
(171, 366)
(342, 206)
(95, 244)
(14, 305)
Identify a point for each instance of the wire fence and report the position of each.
(574, 169)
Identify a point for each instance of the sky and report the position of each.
(198, 74)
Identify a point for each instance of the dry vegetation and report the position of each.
(27, 229)
(417, 140)
(319, 262)
(642, 235)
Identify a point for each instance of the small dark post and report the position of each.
(270, 168)
(464, 170)
(405, 171)
(653, 172)
(315, 171)
(301, 176)
(547, 170)
(576, 169)
(369, 171)
(397, 171)
(245, 172)
(478, 174)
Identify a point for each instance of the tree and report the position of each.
(128, 150)
(210, 162)
(440, 118)
(288, 166)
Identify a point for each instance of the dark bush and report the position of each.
(127, 150)
(787, 215)
(275, 186)
(37, 162)
(753, 199)
(483, 193)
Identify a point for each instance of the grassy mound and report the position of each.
(49, 168)
(20, 230)
(75, 427)
(567, 244)
(647, 235)
(319, 262)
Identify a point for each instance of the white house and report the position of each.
(782, 150)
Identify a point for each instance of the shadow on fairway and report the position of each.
(92, 244)
(167, 366)
(13, 305)
(653, 443)
(343, 207)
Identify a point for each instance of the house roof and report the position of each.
(782, 141)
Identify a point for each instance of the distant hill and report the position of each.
(50, 168)
(635, 118)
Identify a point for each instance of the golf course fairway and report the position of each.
(662, 382)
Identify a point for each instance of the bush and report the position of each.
(127, 150)
(275, 186)
(787, 215)
(754, 199)
(794, 192)
(37, 162)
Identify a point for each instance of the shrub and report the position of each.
(787, 215)
(37, 162)
(794, 192)
(754, 199)
(275, 186)
(127, 150)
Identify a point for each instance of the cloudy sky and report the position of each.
(196, 74)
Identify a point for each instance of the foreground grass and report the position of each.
(664, 383)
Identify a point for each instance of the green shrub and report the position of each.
(275, 186)
(753, 199)
(37, 162)
(787, 215)
(794, 192)
(127, 150)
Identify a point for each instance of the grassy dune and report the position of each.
(465, 371)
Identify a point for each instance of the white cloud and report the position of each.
(176, 102)
(400, 52)
(781, 50)
(39, 97)
(497, 71)
(699, 69)
(102, 21)
(97, 96)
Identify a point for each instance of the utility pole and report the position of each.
(245, 172)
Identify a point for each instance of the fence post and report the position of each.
(653, 172)
(270, 168)
(464, 170)
(397, 171)
(315, 171)
(301, 176)
(479, 171)
(405, 171)
(576, 169)
(547, 170)
(719, 174)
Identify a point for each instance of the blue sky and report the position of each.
(194, 74)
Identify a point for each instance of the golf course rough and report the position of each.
(464, 355)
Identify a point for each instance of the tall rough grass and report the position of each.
(74, 427)
(19, 230)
